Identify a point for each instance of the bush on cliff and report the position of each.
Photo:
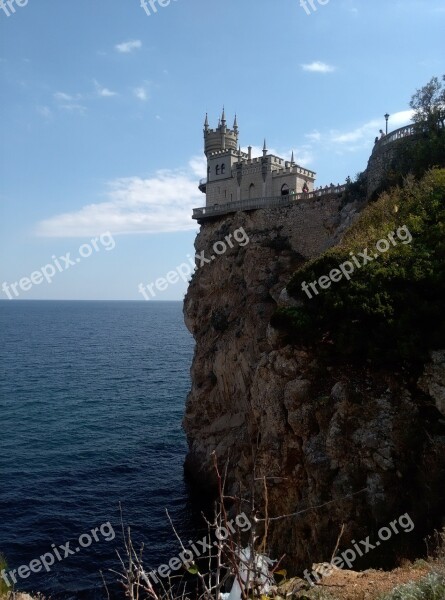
(391, 309)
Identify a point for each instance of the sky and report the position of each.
(103, 104)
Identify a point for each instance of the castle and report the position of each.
(234, 176)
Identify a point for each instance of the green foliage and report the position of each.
(428, 103)
(391, 308)
(3, 587)
(417, 155)
(357, 189)
(431, 587)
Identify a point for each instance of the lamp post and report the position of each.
(386, 118)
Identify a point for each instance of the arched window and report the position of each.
(217, 169)
(223, 169)
(252, 190)
(285, 189)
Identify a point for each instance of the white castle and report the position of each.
(234, 176)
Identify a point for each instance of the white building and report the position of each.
(234, 175)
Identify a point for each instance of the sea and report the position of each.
(92, 396)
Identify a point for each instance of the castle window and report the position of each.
(285, 189)
(251, 190)
(223, 168)
(217, 169)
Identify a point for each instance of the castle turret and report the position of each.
(221, 138)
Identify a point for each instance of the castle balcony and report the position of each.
(203, 185)
(210, 212)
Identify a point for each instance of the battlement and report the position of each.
(236, 176)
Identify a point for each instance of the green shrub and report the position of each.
(431, 587)
(3, 587)
(390, 309)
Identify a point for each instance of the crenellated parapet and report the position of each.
(234, 175)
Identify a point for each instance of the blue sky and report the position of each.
(103, 107)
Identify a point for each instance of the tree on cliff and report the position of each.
(428, 104)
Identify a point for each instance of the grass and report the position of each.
(431, 587)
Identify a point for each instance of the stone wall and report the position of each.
(380, 162)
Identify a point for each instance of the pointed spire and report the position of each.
(292, 162)
(235, 123)
(223, 116)
(206, 123)
(264, 148)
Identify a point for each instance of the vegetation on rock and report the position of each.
(391, 308)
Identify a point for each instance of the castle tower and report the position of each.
(221, 138)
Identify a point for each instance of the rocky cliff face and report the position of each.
(363, 446)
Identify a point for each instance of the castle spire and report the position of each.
(223, 116)
(235, 123)
(206, 122)
(292, 162)
(264, 148)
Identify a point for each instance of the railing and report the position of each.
(404, 132)
(398, 134)
(255, 203)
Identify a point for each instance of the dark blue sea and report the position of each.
(92, 396)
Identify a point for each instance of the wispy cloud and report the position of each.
(127, 47)
(198, 164)
(63, 97)
(318, 67)
(44, 111)
(302, 156)
(141, 93)
(70, 102)
(103, 92)
(315, 136)
(162, 203)
(360, 137)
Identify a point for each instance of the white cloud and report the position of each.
(141, 93)
(362, 136)
(103, 92)
(370, 129)
(70, 102)
(318, 67)
(44, 111)
(315, 136)
(198, 165)
(62, 97)
(126, 47)
(162, 203)
(399, 119)
(302, 156)
(365, 131)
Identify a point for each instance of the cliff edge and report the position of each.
(339, 441)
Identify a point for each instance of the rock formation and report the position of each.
(363, 445)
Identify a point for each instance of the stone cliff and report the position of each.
(365, 443)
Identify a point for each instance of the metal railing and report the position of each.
(272, 202)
